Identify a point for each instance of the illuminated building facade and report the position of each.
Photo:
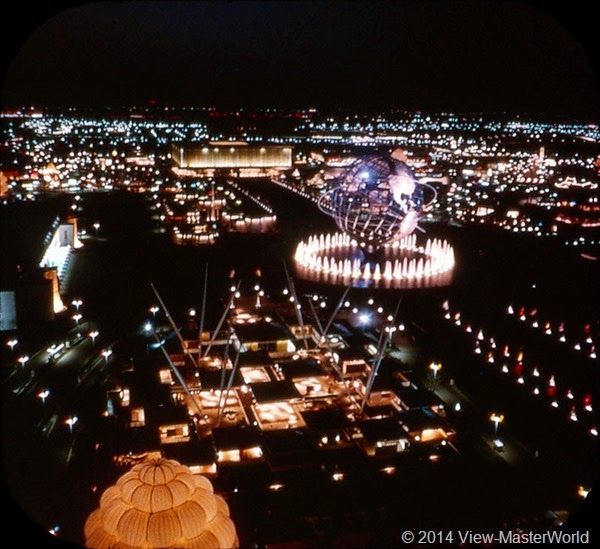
(231, 155)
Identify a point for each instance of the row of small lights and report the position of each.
(491, 359)
(546, 326)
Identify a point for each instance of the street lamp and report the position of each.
(77, 318)
(96, 227)
(154, 309)
(94, 334)
(496, 419)
(435, 367)
(44, 395)
(23, 359)
(106, 353)
(11, 343)
(77, 303)
(70, 421)
(259, 294)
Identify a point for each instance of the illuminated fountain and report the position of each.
(376, 204)
(337, 259)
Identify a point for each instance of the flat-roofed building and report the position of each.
(424, 426)
(383, 436)
(273, 337)
(230, 155)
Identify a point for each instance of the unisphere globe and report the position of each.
(376, 200)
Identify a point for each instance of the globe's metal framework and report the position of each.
(376, 200)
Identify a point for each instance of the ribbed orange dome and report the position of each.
(160, 504)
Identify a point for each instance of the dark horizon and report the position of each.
(432, 56)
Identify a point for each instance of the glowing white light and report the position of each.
(573, 416)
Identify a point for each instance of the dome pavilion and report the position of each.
(160, 504)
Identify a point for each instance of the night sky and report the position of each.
(421, 54)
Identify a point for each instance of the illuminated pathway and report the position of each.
(551, 382)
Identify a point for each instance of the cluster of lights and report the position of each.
(99, 156)
(207, 208)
